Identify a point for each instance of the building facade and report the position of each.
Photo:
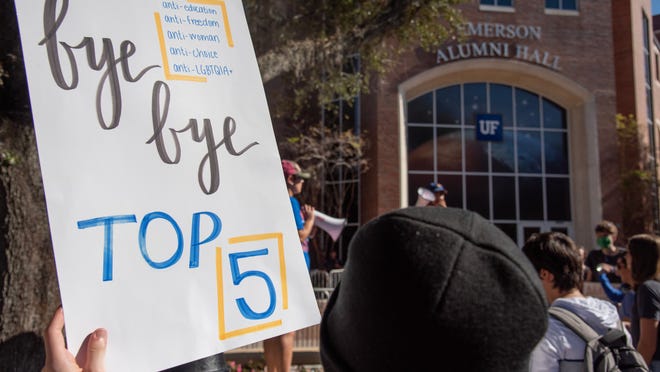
(517, 119)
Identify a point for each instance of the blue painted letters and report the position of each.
(195, 240)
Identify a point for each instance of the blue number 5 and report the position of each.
(237, 277)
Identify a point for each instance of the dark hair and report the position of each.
(645, 252)
(621, 261)
(607, 227)
(557, 253)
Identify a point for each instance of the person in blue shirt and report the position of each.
(278, 351)
(302, 214)
(622, 295)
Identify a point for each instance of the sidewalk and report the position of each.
(254, 362)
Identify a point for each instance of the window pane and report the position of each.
(527, 109)
(348, 191)
(448, 105)
(420, 148)
(645, 31)
(531, 195)
(331, 116)
(504, 198)
(529, 152)
(562, 230)
(449, 149)
(501, 102)
(510, 229)
(649, 102)
(502, 153)
(559, 199)
(348, 115)
(420, 110)
(504, 2)
(569, 4)
(528, 231)
(553, 115)
(475, 101)
(476, 152)
(345, 238)
(477, 195)
(487, 2)
(454, 186)
(556, 153)
(552, 4)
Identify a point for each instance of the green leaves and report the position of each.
(307, 43)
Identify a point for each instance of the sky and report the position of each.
(655, 6)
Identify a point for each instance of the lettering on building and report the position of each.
(509, 44)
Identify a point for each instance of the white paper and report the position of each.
(170, 220)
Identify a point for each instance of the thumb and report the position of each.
(96, 351)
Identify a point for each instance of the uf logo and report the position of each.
(489, 127)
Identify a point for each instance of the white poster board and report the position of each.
(170, 220)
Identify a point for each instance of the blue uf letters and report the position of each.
(489, 127)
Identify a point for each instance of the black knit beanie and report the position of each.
(433, 289)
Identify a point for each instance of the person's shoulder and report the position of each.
(560, 338)
(650, 285)
(602, 305)
(648, 292)
(586, 306)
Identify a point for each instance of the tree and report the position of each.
(313, 39)
(332, 156)
(302, 47)
(637, 172)
(324, 54)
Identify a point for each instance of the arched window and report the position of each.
(521, 182)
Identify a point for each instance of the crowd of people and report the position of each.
(443, 281)
(629, 277)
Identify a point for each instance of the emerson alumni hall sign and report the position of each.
(514, 48)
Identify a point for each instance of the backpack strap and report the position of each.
(574, 323)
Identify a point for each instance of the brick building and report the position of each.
(518, 119)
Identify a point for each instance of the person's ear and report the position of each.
(546, 275)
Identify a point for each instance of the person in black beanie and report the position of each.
(443, 283)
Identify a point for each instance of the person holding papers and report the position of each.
(278, 351)
(303, 215)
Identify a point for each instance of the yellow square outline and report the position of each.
(222, 332)
(163, 47)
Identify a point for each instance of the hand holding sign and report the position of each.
(91, 356)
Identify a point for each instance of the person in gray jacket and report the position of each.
(557, 260)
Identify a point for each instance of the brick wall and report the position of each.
(584, 44)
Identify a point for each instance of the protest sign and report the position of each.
(170, 221)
